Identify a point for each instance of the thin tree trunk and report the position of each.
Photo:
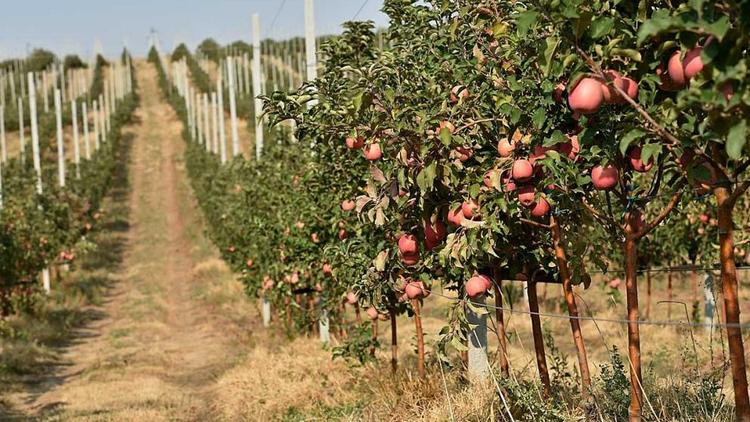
(394, 342)
(420, 337)
(731, 303)
(500, 321)
(575, 323)
(634, 335)
(374, 336)
(356, 312)
(536, 328)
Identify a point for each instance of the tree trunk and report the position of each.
(500, 321)
(420, 337)
(536, 328)
(575, 323)
(394, 342)
(731, 303)
(374, 336)
(634, 335)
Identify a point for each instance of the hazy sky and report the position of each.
(66, 26)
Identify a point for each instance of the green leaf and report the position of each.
(445, 136)
(583, 23)
(525, 20)
(601, 27)
(627, 52)
(650, 151)
(426, 177)
(719, 28)
(546, 62)
(736, 139)
(631, 136)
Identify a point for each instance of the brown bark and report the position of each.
(356, 312)
(394, 342)
(500, 320)
(420, 336)
(634, 335)
(570, 300)
(536, 328)
(731, 303)
(374, 335)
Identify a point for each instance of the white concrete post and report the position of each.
(60, 139)
(310, 48)
(258, 104)
(222, 134)
(95, 115)
(86, 138)
(76, 145)
(206, 123)
(214, 124)
(21, 129)
(478, 362)
(102, 117)
(3, 146)
(709, 301)
(233, 109)
(266, 311)
(37, 160)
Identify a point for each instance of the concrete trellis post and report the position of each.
(214, 124)
(3, 146)
(477, 317)
(709, 306)
(76, 145)
(60, 139)
(266, 311)
(310, 48)
(95, 112)
(102, 117)
(199, 117)
(86, 138)
(258, 104)
(246, 72)
(45, 90)
(206, 123)
(233, 108)
(222, 134)
(37, 160)
(21, 130)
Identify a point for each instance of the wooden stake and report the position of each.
(394, 342)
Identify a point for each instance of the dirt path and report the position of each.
(162, 343)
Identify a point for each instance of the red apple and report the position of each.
(522, 170)
(539, 153)
(692, 64)
(327, 269)
(267, 283)
(347, 205)
(609, 93)
(351, 298)
(372, 313)
(505, 147)
(604, 178)
(540, 208)
(586, 97)
(676, 71)
(477, 285)
(456, 216)
(634, 156)
(526, 195)
(434, 233)
(570, 148)
(464, 153)
(343, 234)
(704, 218)
(470, 208)
(410, 259)
(372, 152)
(727, 90)
(459, 92)
(314, 238)
(446, 124)
(631, 88)
(408, 244)
(249, 263)
(355, 143)
(414, 289)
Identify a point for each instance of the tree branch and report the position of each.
(662, 215)
(534, 223)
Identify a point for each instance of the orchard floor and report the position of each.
(174, 337)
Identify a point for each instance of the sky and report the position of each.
(74, 26)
